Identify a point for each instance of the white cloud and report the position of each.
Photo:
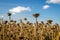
(53, 1)
(19, 9)
(46, 6)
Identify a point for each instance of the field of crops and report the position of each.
(10, 30)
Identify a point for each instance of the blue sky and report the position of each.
(52, 11)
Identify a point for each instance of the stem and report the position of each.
(9, 18)
(36, 20)
(2, 20)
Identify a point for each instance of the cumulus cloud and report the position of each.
(19, 9)
(46, 6)
(53, 1)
